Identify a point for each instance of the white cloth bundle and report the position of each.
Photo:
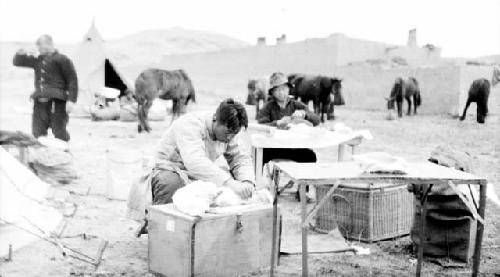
(381, 162)
(197, 197)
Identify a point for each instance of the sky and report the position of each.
(465, 28)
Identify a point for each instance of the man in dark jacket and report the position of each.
(283, 110)
(56, 88)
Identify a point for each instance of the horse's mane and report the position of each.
(183, 74)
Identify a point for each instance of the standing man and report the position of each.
(56, 88)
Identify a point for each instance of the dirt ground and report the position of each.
(411, 137)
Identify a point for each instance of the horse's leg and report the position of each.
(408, 99)
(142, 102)
(145, 110)
(316, 106)
(480, 115)
(175, 109)
(415, 104)
(481, 110)
(140, 117)
(331, 110)
(257, 108)
(399, 105)
(465, 109)
(324, 110)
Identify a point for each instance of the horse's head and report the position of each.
(336, 86)
(390, 102)
(251, 92)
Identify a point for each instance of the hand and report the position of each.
(21, 51)
(69, 106)
(299, 114)
(284, 121)
(243, 189)
(301, 121)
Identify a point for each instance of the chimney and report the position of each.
(281, 40)
(412, 38)
(261, 41)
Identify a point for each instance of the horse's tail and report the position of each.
(140, 96)
(191, 93)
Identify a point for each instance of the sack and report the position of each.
(140, 196)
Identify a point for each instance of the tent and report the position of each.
(24, 212)
(95, 70)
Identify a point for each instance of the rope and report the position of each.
(20, 191)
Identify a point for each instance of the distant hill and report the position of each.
(139, 49)
(492, 59)
(150, 46)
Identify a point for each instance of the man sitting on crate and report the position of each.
(191, 145)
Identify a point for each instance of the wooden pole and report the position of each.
(421, 234)
(303, 202)
(480, 231)
(276, 180)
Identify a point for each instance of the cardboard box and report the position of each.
(234, 241)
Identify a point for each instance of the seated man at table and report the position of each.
(192, 144)
(281, 111)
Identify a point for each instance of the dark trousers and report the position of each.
(300, 155)
(163, 185)
(51, 114)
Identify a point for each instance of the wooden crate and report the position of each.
(226, 244)
(367, 212)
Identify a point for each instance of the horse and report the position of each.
(404, 90)
(172, 85)
(479, 92)
(257, 91)
(318, 89)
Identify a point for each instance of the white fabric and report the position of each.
(198, 197)
(195, 198)
(54, 143)
(380, 162)
(110, 93)
(303, 136)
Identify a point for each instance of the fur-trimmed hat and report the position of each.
(278, 79)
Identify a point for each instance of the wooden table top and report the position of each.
(351, 172)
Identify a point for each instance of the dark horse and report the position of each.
(318, 89)
(172, 85)
(479, 92)
(404, 90)
(257, 91)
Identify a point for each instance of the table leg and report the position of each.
(276, 177)
(258, 159)
(303, 203)
(341, 152)
(423, 212)
(479, 232)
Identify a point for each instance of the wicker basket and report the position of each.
(367, 212)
